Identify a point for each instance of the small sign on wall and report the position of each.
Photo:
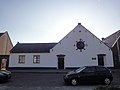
(94, 58)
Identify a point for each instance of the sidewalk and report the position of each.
(53, 71)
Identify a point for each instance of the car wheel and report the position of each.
(74, 82)
(107, 81)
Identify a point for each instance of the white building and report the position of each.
(78, 48)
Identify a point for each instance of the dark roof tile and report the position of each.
(110, 40)
(32, 47)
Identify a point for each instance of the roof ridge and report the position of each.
(116, 41)
(113, 34)
(111, 39)
(37, 43)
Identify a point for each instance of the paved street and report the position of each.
(44, 81)
(38, 81)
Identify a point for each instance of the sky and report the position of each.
(46, 21)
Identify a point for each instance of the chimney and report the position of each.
(17, 42)
(103, 39)
(79, 23)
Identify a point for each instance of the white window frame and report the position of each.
(36, 59)
(21, 59)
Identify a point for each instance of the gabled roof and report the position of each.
(32, 47)
(111, 40)
(1, 34)
(78, 28)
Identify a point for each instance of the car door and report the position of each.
(100, 74)
(88, 75)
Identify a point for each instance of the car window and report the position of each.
(89, 70)
(101, 69)
(80, 69)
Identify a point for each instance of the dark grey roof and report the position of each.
(1, 34)
(32, 47)
(110, 40)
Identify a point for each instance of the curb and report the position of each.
(41, 71)
(52, 71)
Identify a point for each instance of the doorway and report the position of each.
(3, 64)
(4, 61)
(101, 58)
(60, 61)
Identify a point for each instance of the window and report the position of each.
(80, 69)
(101, 69)
(89, 70)
(36, 59)
(21, 59)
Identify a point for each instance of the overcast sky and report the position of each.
(44, 21)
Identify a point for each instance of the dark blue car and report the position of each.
(89, 74)
(4, 75)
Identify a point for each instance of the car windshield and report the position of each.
(79, 69)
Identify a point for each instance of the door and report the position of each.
(101, 59)
(3, 64)
(4, 60)
(101, 74)
(60, 61)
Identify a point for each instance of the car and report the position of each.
(89, 74)
(5, 75)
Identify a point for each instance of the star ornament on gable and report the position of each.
(80, 45)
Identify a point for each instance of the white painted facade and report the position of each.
(45, 60)
(68, 46)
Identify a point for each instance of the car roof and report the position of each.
(94, 66)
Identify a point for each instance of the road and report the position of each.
(38, 81)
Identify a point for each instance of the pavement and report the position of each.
(36, 80)
(48, 88)
(52, 71)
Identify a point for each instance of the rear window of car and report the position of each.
(102, 69)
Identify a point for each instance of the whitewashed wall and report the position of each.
(75, 58)
(45, 60)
